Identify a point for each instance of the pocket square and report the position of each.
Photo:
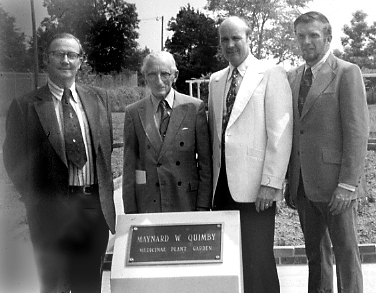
(184, 128)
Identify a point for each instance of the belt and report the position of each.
(85, 189)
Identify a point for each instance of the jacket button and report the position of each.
(177, 163)
(182, 143)
(157, 184)
(179, 183)
(301, 131)
(159, 164)
(148, 146)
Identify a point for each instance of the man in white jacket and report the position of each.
(250, 119)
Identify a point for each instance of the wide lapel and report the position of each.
(178, 113)
(146, 114)
(251, 79)
(295, 86)
(47, 117)
(91, 108)
(218, 94)
(324, 78)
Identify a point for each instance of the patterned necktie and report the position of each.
(305, 85)
(230, 99)
(165, 118)
(74, 143)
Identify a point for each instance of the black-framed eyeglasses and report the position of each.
(163, 75)
(72, 56)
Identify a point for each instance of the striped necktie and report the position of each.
(305, 85)
(74, 142)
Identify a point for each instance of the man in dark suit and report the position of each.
(57, 152)
(167, 157)
(327, 162)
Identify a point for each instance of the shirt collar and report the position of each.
(170, 100)
(57, 91)
(242, 68)
(316, 68)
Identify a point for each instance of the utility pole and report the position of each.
(162, 20)
(35, 45)
(162, 45)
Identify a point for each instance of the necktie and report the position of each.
(230, 99)
(74, 143)
(165, 118)
(305, 85)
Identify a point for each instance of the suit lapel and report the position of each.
(251, 80)
(47, 117)
(146, 114)
(295, 85)
(91, 108)
(218, 94)
(324, 78)
(177, 116)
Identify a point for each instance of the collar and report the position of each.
(242, 68)
(316, 68)
(57, 91)
(170, 100)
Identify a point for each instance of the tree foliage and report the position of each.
(106, 28)
(194, 44)
(360, 41)
(270, 21)
(13, 52)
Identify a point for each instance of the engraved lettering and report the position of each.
(178, 248)
(153, 238)
(177, 238)
(201, 237)
(203, 248)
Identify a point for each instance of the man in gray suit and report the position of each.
(327, 161)
(57, 152)
(167, 157)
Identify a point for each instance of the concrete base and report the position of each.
(225, 276)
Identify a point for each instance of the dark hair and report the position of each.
(64, 36)
(312, 16)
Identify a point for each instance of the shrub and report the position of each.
(124, 96)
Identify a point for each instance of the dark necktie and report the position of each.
(165, 118)
(230, 99)
(305, 85)
(74, 143)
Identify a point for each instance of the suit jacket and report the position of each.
(259, 132)
(171, 175)
(330, 137)
(34, 148)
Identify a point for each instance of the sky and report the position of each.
(150, 12)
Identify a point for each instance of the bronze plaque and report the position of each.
(175, 244)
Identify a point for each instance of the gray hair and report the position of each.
(162, 55)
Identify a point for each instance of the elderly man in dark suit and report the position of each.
(326, 172)
(167, 157)
(57, 153)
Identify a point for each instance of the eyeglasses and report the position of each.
(154, 76)
(72, 56)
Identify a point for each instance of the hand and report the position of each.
(265, 198)
(341, 200)
(289, 201)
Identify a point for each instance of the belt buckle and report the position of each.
(87, 190)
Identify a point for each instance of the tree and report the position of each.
(13, 52)
(106, 29)
(270, 22)
(194, 44)
(359, 43)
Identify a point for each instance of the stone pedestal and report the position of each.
(178, 252)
